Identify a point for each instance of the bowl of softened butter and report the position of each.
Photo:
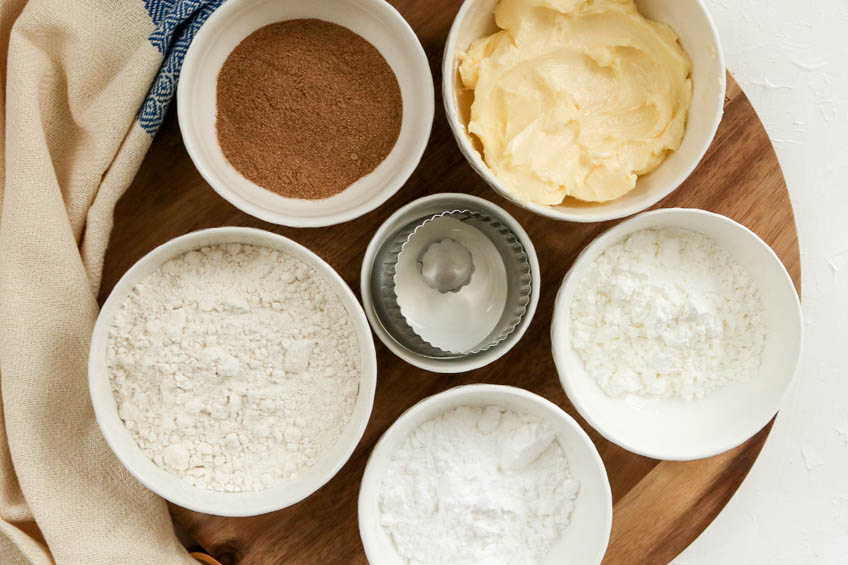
(584, 111)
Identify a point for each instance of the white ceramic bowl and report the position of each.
(169, 486)
(377, 22)
(678, 429)
(583, 542)
(426, 206)
(699, 38)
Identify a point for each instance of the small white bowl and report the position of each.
(673, 428)
(699, 37)
(175, 489)
(585, 539)
(374, 20)
(427, 206)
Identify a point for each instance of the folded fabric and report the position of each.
(87, 84)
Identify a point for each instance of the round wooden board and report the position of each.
(660, 507)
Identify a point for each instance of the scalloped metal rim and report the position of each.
(525, 289)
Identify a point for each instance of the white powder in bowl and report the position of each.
(667, 313)
(234, 366)
(477, 485)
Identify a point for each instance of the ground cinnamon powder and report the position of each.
(306, 108)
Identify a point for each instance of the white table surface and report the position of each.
(791, 58)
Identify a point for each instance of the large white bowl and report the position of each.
(699, 38)
(583, 542)
(175, 489)
(377, 22)
(673, 428)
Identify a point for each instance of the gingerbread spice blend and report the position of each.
(306, 108)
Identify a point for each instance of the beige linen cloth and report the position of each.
(75, 74)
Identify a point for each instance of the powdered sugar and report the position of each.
(667, 313)
(477, 485)
(234, 366)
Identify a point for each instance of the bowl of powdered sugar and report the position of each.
(232, 371)
(677, 333)
(485, 474)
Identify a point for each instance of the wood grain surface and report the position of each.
(660, 507)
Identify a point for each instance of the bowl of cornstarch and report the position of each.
(232, 371)
(306, 113)
(676, 334)
(484, 474)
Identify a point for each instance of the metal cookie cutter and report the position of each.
(450, 282)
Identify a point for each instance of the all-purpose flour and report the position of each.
(667, 313)
(477, 486)
(234, 366)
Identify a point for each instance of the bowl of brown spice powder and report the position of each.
(306, 113)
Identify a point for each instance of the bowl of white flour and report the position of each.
(676, 334)
(232, 371)
(485, 474)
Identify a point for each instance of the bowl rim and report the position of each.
(223, 504)
(558, 342)
(368, 488)
(462, 364)
(478, 164)
(420, 65)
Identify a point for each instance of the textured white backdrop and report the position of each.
(791, 58)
